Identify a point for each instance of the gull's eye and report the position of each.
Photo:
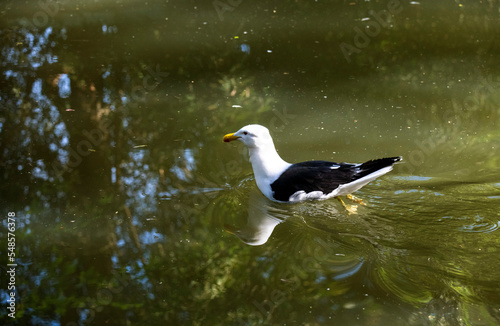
(245, 133)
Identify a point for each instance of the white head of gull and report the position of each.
(266, 163)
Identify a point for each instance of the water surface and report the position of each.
(130, 209)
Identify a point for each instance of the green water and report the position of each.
(130, 210)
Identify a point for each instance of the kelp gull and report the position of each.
(284, 182)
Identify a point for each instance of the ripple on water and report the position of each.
(481, 227)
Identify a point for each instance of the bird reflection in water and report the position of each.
(312, 252)
(263, 217)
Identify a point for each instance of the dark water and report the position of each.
(129, 209)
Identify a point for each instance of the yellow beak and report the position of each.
(230, 137)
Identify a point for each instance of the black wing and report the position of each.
(323, 176)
